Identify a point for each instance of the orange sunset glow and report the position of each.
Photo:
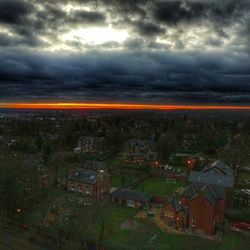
(127, 106)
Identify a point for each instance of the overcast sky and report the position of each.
(161, 51)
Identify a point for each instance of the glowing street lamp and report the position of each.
(189, 163)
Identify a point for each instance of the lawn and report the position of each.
(116, 181)
(244, 176)
(148, 236)
(159, 186)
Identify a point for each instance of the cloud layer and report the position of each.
(133, 50)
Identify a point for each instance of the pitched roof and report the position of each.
(83, 175)
(219, 167)
(212, 192)
(175, 202)
(211, 178)
(130, 195)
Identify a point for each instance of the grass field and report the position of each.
(159, 186)
(116, 181)
(244, 176)
(148, 236)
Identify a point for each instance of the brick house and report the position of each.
(92, 184)
(201, 206)
(138, 151)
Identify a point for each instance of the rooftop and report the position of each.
(211, 192)
(130, 195)
(211, 178)
(88, 176)
(219, 167)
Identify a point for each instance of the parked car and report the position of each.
(241, 226)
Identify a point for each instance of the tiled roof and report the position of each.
(128, 194)
(211, 178)
(219, 167)
(175, 202)
(83, 175)
(212, 192)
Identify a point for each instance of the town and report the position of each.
(124, 180)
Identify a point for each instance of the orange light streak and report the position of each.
(128, 106)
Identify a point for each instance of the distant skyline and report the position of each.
(125, 51)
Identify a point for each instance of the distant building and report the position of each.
(138, 151)
(189, 143)
(90, 144)
(201, 206)
(33, 174)
(92, 184)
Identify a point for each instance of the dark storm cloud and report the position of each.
(135, 76)
(10, 41)
(223, 11)
(172, 12)
(145, 18)
(148, 29)
(157, 62)
(14, 11)
(25, 18)
(89, 17)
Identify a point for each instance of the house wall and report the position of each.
(168, 213)
(178, 218)
(104, 183)
(219, 211)
(201, 215)
(96, 190)
(137, 204)
(82, 188)
(181, 220)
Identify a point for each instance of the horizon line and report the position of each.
(127, 106)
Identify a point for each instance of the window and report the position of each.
(72, 187)
(169, 214)
(193, 222)
(218, 218)
(80, 188)
(131, 203)
(87, 189)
